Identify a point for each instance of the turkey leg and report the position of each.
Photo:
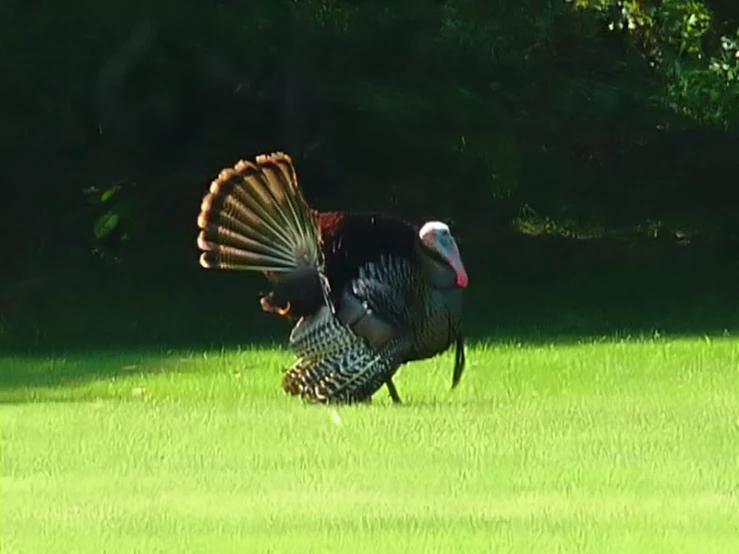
(393, 391)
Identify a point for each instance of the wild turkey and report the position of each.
(370, 292)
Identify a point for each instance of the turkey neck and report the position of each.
(437, 273)
(442, 320)
(442, 282)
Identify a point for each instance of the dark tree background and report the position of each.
(583, 118)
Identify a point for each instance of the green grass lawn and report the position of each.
(607, 446)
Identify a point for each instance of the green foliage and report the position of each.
(105, 224)
(695, 55)
(472, 109)
(114, 222)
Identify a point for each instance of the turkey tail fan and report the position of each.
(459, 361)
(255, 218)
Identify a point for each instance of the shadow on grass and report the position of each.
(523, 291)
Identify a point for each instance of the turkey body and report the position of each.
(368, 292)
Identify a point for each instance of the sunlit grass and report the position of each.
(598, 447)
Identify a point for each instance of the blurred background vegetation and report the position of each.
(606, 128)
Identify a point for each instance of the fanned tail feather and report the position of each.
(255, 218)
(335, 365)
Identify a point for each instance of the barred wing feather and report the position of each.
(335, 364)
